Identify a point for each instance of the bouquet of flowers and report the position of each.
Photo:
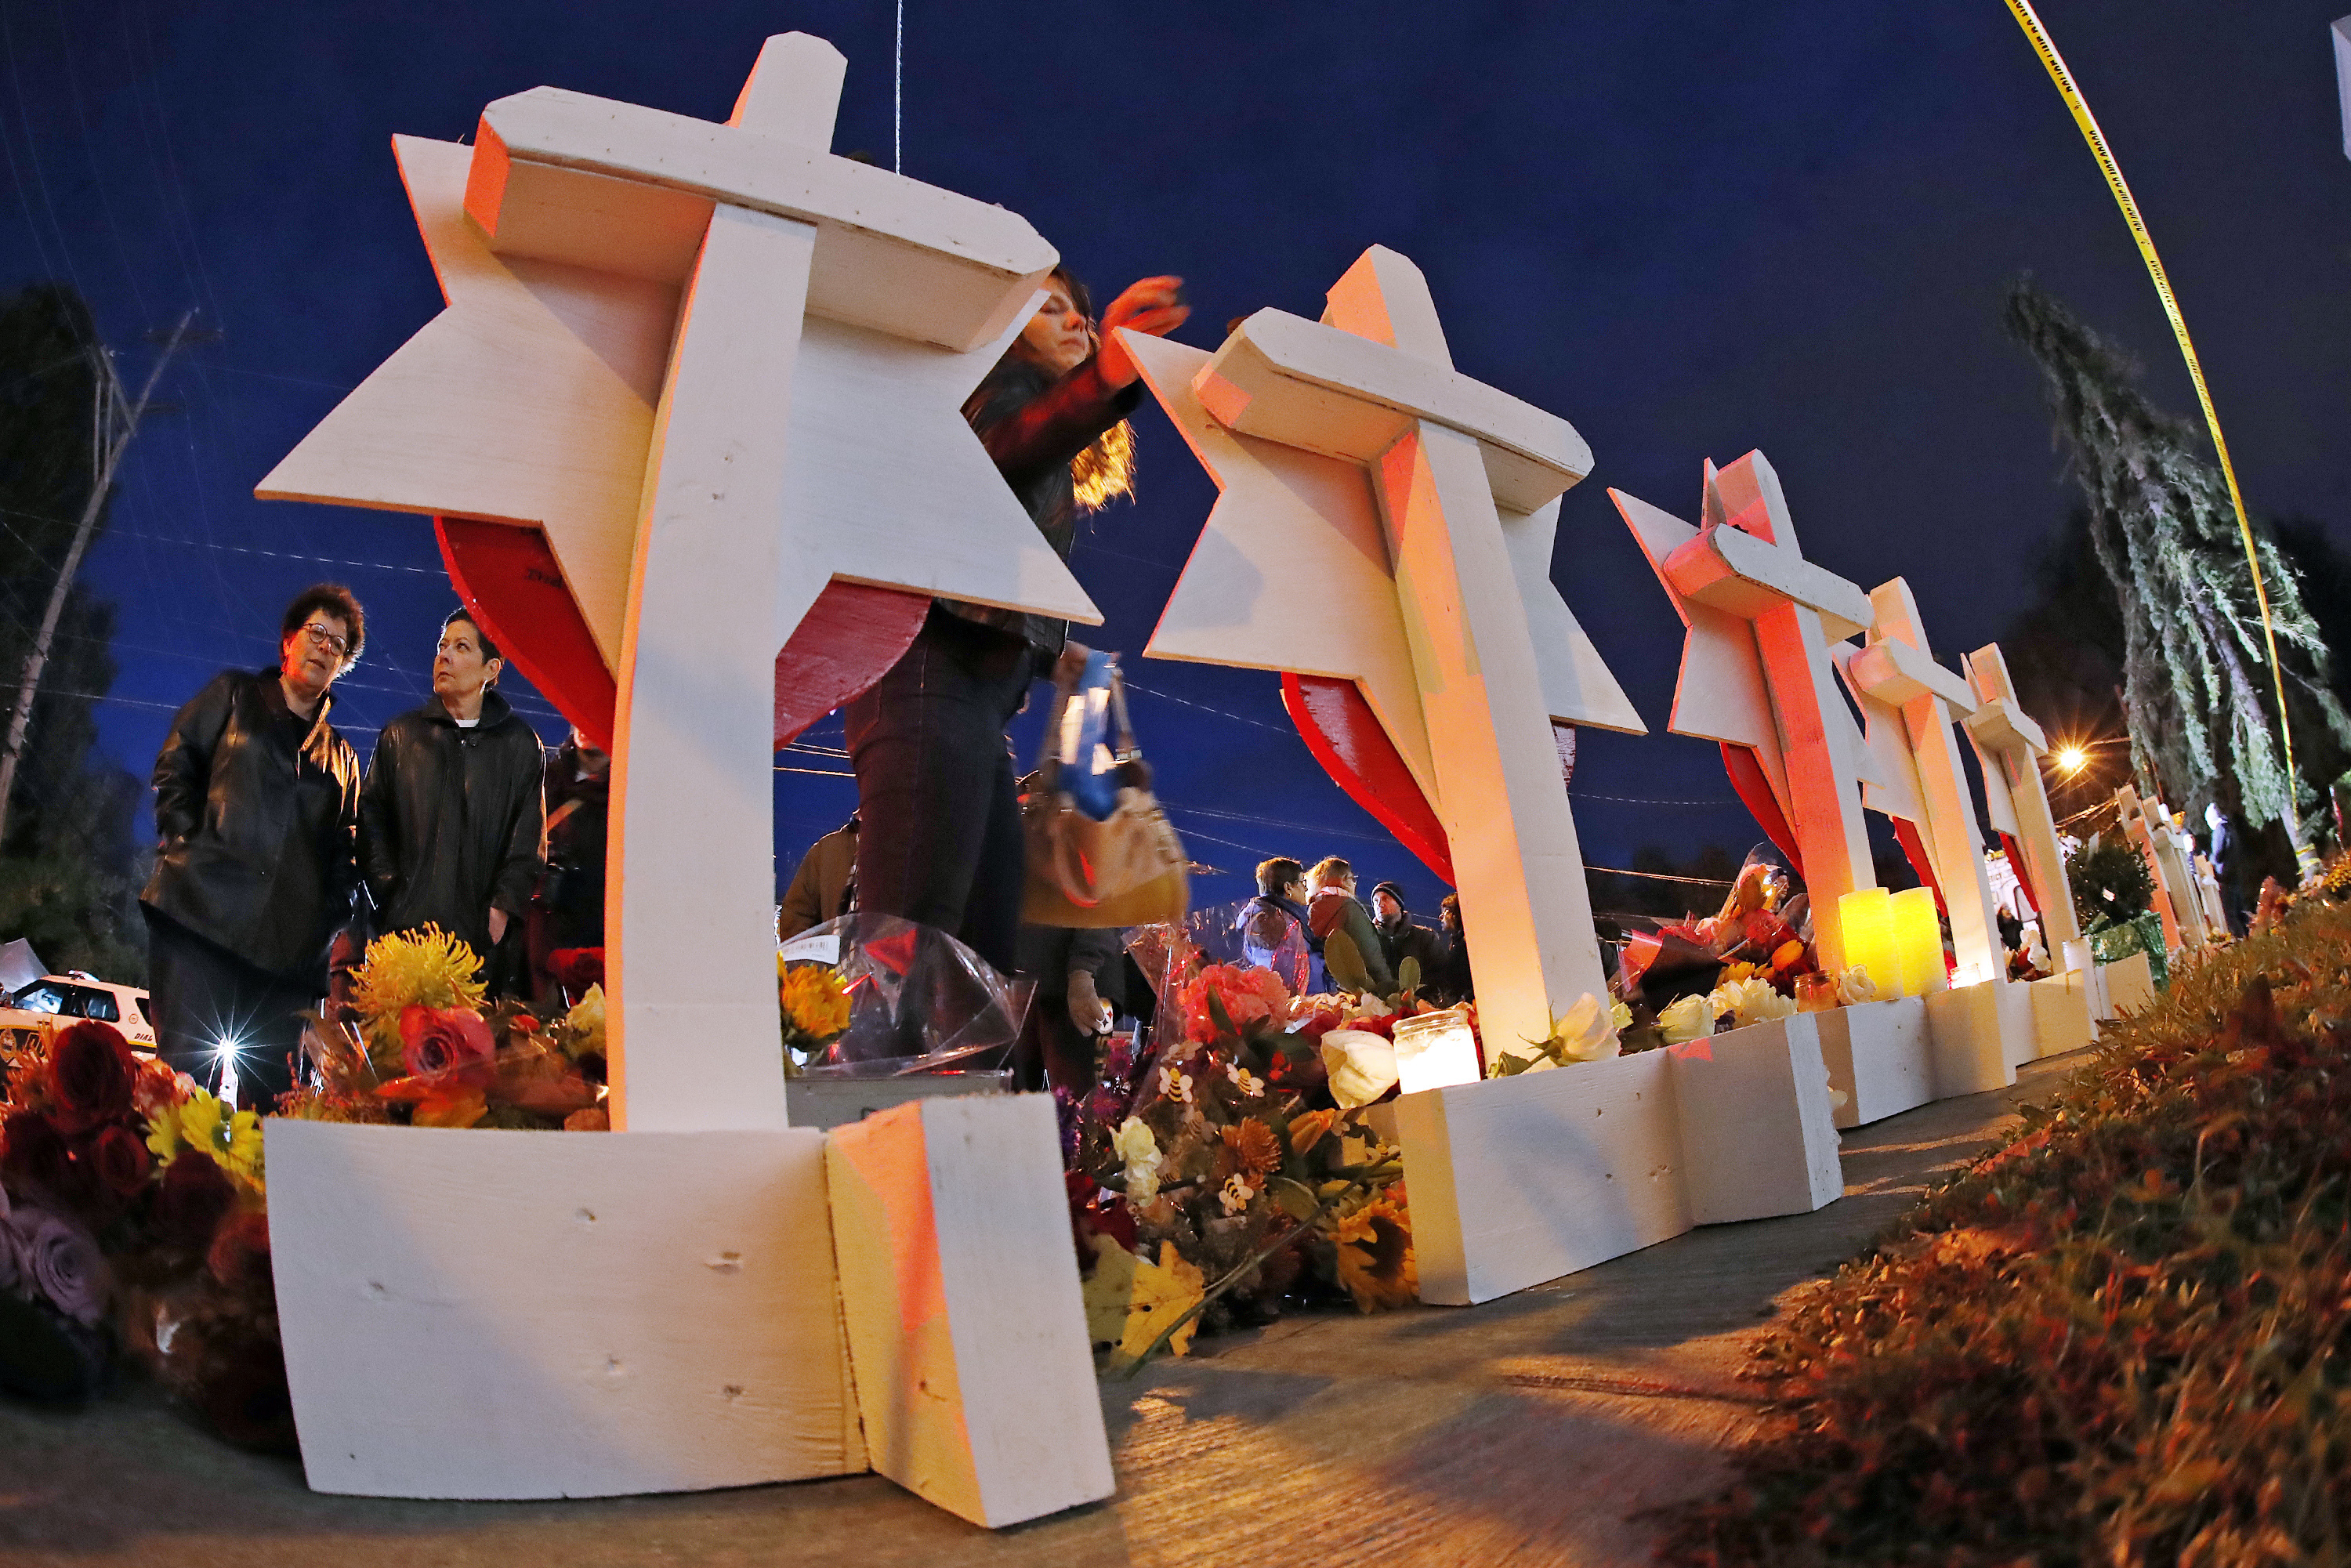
(1233, 1164)
(814, 1002)
(418, 1045)
(132, 1212)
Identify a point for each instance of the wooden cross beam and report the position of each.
(1385, 519)
(720, 368)
(1912, 703)
(1757, 670)
(2010, 745)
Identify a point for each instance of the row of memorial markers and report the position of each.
(714, 1298)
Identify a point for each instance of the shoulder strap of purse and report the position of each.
(1126, 746)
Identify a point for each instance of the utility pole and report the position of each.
(113, 422)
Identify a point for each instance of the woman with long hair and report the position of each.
(939, 837)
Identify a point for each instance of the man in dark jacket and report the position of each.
(1333, 908)
(1267, 921)
(1399, 937)
(822, 884)
(452, 812)
(257, 807)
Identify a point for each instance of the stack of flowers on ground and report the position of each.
(133, 1218)
(418, 1045)
(2123, 1338)
(1235, 1166)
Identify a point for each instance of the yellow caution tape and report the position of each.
(2031, 23)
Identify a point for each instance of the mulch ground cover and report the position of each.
(2122, 1338)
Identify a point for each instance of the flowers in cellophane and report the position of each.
(417, 1045)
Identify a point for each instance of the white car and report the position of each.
(53, 998)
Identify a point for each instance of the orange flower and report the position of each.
(1254, 1147)
(1375, 1254)
(1307, 1130)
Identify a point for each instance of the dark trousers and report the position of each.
(938, 838)
(201, 995)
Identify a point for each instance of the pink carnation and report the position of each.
(1249, 996)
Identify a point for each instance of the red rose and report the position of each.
(434, 1040)
(239, 1257)
(34, 1153)
(93, 1070)
(196, 1195)
(116, 1158)
(576, 968)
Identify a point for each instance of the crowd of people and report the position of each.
(278, 857)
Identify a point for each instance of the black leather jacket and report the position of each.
(257, 810)
(1034, 424)
(450, 820)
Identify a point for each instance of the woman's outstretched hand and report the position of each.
(1155, 305)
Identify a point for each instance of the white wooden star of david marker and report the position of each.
(2009, 745)
(1383, 518)
(1910, 704)
(1757, 669)
(719, 367)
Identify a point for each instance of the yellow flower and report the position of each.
(1691, 1017)
(815, 1003)
(201, 1122)
(426, 968)
(1109, 1289)
(1374, 1253)
(583, 1026)
(1164, 1291)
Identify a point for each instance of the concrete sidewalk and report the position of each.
(1523, 1431)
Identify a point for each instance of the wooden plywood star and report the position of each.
(1757, 670)
(1386, 521)
(1912, 703)
(720, 370)
(2009, 745)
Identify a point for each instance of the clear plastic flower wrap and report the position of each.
(919, 1000)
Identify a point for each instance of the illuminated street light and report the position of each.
(2072, 760)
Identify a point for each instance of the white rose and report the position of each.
(1855, 987)
(1588, 1032)
(1361, 1066)
(1692, 1018)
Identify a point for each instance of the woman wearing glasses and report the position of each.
(257, 807)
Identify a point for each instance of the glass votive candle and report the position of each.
(1815, 993)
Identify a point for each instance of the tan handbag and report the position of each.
(1130, 870)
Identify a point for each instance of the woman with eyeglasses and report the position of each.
(257, 810)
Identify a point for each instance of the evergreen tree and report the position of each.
(2194, 672)
(70, 869)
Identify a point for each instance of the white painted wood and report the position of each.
(2010, 746)
(690, 892)
(966, 1324)
(1285, 517)
(491, 1314)
(1759, 1137)
(560, 175)
(1721, 692)
(529, 400)
(887, 485)
(1899, 668)
(2128, 985)
(1878, 1057)
(1979, 1035)
(2149, 830)
(1577, 686)
(1372, 384)
(1778, 680)
(2062, 1018)
(1518, 1180)
(1326, 386)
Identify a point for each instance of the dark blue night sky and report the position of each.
(1690, 229)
